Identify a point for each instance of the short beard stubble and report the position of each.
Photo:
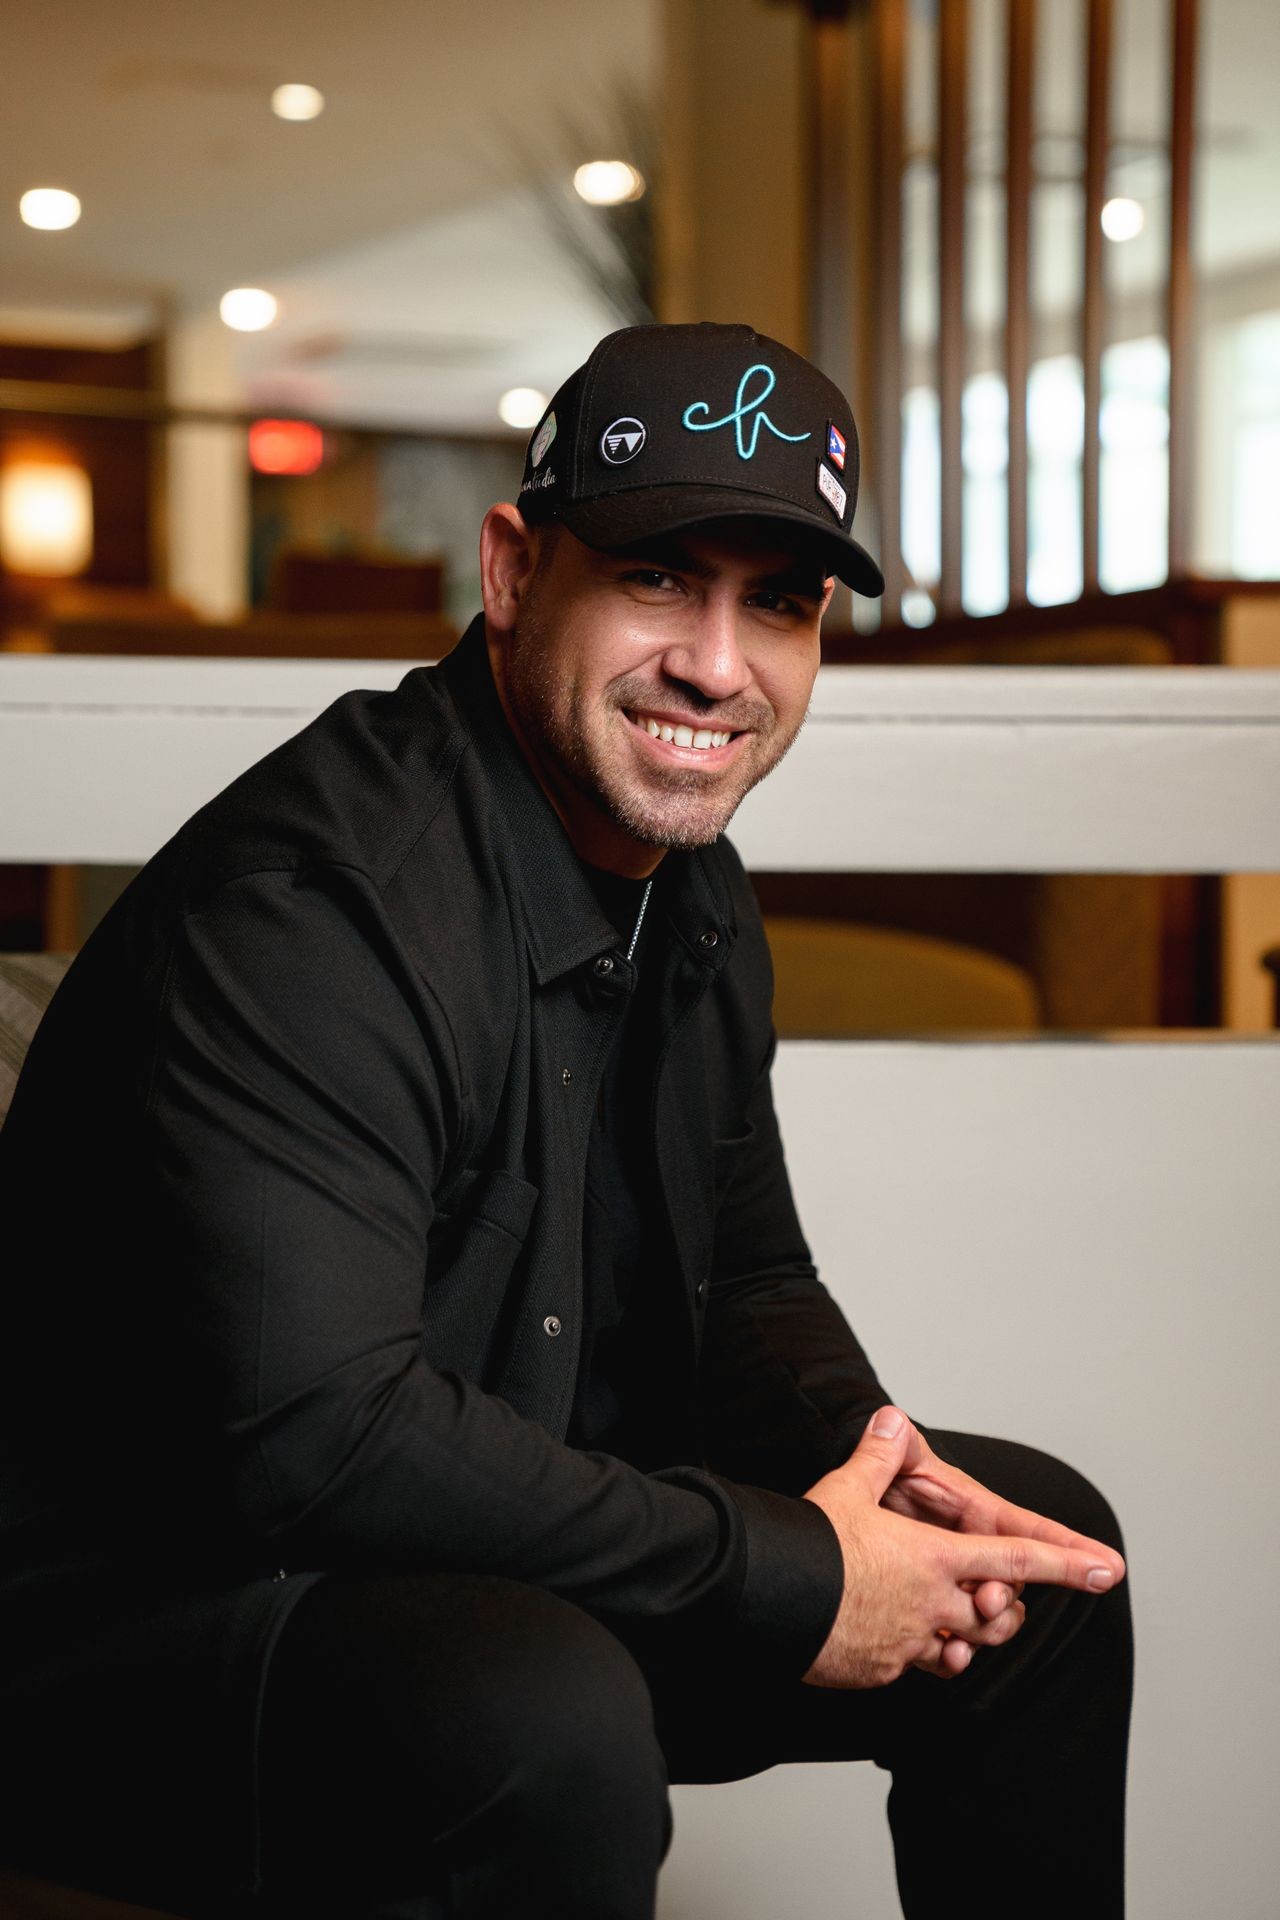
(690, 811)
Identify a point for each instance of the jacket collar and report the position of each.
(565, 922)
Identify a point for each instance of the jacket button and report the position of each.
(551, 1325)
(565, 1075)
(604, 964)
(701, 1289)
(709, 937)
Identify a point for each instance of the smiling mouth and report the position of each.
(700, 740)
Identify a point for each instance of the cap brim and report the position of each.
(618, 519)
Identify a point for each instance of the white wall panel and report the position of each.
(1072, 1244)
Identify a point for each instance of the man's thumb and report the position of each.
(883, 1444)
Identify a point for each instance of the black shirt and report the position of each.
(287, 1049)
(620, 1209)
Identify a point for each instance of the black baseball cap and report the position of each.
(665, 426)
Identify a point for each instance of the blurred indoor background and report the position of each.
(283, 290)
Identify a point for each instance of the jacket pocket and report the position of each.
(475, 1242)
(726, 1158)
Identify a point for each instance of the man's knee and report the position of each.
(1078, 1502)
(471, 1701)
(564, 1691)
(563, 1744)
(1032, 1477)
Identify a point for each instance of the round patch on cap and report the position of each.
(622, 441)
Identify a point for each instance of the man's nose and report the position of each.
(709, 655)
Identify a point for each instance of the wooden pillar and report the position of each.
(208, 472)
(953, 96)
(733, 217)
(1093, 311)
(1017, 352)
(1181, 320)
(889, 51)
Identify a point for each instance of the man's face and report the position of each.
(714, 629)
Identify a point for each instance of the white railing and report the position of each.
(1022, 769)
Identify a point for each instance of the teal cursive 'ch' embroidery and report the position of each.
(742, 406)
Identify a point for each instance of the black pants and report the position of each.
(471, 1746)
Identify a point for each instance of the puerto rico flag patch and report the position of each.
(835, 445)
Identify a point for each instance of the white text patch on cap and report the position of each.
(831, 490)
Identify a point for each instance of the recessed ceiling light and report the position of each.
(522, 406)
(297, 102)
(49, 207)
(248, 309)
(607, 183)
(1123, 219)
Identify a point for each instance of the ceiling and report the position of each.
(400, 231)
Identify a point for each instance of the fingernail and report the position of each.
(887, 1422)
(1099, 1577)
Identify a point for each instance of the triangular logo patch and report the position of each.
(622, 441)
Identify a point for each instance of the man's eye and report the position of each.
(777, 602)
(651, 577)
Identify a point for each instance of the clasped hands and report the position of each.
(913, 1599)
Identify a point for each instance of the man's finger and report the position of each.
(1004, 1516)
(948, 1657)
(955, 1657)
(992, 1596)
(1010, 1558)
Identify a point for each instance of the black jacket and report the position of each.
(291, 1194)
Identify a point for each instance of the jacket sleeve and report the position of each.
(303, 1095)
(786, 1387)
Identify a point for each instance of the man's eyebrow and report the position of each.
(807, 580)
(666, 551)
(799, 576)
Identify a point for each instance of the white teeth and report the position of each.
(683, 736)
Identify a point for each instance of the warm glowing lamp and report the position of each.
(46, 518)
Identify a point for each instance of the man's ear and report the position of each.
(506, 563)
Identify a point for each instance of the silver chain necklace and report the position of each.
(640, 916)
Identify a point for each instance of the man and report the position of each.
(463, 1446)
